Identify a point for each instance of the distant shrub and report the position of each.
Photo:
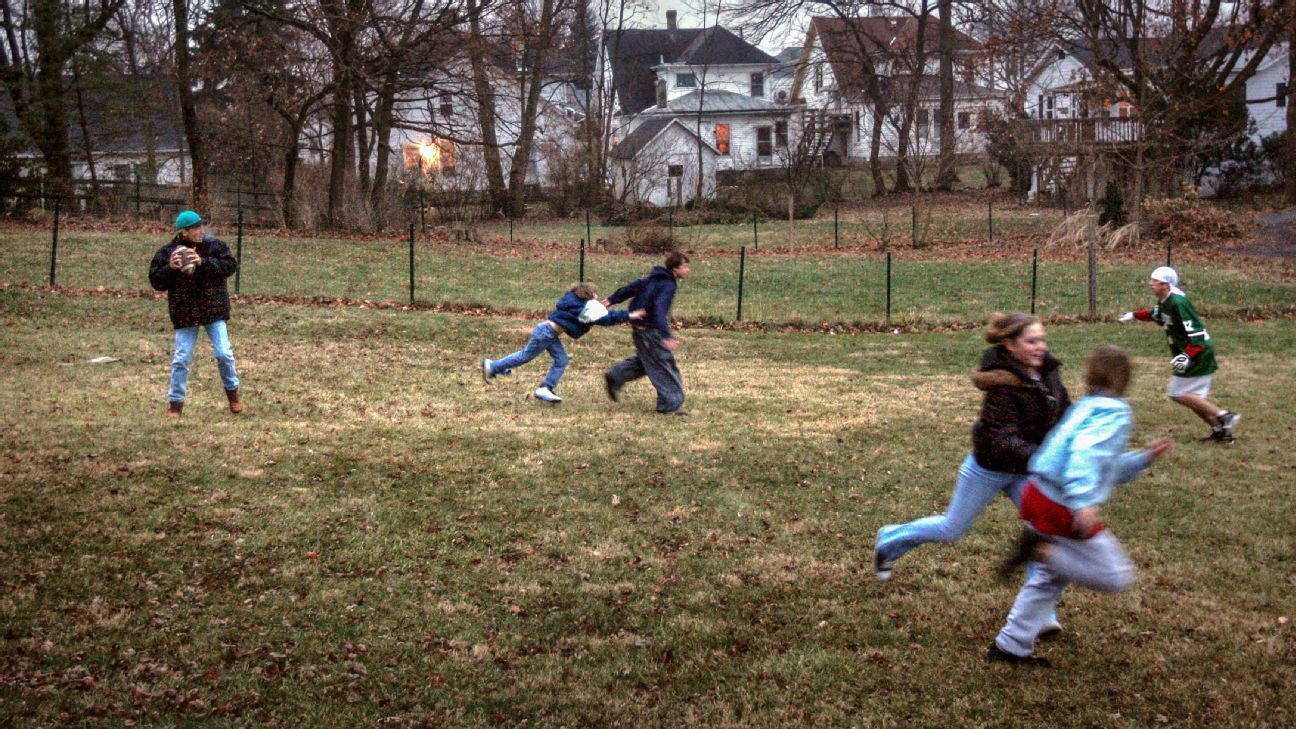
(1190, 221)
(650, 238)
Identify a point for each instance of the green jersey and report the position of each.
(1185, 332)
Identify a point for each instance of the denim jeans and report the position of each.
(651, 358)
(975, 489)
(185, 339)
(1098, 563)
(544, 338)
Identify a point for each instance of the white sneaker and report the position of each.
(487, 376)
(881, 567)
(544, 393)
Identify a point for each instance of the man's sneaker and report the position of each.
(1219, 435)
(1227, 422)
(881, 567)
(544, 393)
(1051, 629)
(487, 375)
(613, 389)
(1023, 552)
(999, 655)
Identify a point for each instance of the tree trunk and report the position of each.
(188, 107)
(531, 107)
(902, 183)
(875, 152)
(947, 171)
(364, 145)
(382, 124)
(1289, 162)
(486, 114)
(87, 145)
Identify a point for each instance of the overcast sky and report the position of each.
(690, 16)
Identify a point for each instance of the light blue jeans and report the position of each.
(544, 338)
(975, 489)
(185, 339)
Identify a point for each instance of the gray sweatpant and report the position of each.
(651, 358)
(1098, 563)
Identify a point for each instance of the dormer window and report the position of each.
(758, 85)
(685, 81)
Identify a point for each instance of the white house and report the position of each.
(832, 76)
(702, 97)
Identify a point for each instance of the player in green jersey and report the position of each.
(1193, 353)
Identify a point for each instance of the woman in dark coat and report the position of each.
(1024, 398)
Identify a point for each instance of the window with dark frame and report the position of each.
(722, 138)
(1280, 91)
(764, 146)
(780, 135)
(447, 107)
(685, 81)
(922, 122)
(965, 120)
(675, 170)
(758, 85)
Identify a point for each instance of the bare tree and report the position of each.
(39, 40)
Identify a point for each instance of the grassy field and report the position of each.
(934, 286)
(382, 538)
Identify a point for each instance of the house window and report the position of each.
(1280, 91)
(429, 157)
(818, 77)
(675, 171)
(764, 145)
(922, 122)
(722, 138)
(782, 97)
(685, 80)
(780, 135)
(661, 94)
(758, 84)
(447, 108)
(1048, 107)
(964, 120)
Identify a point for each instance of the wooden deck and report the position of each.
(1072, 136)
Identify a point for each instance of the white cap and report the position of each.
(1165, 274)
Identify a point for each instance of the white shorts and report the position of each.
(1199, 386)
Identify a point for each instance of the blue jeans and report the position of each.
(975, 489)
(544, 338)
(185, 339)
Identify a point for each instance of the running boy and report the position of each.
(654, 342)
(1072, 473)
(573, 315)
(1193, 353)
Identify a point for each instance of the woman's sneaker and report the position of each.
(881, 566)
(544, 393)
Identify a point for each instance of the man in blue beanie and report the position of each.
(192, 269)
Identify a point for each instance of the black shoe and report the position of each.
(1227, 422)
(672, 412)
(1219, 435)
(999, 655)
(1023, 552)
(613, 389)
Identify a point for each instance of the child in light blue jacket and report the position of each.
(1072, 473)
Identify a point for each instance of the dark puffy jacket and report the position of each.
(566, 314)
(201, 297)
(654, 294)
(1017, 411)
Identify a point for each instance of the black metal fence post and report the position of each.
(238, 252)
(411, 263)
(510, 228)
(137, 197)
(1169, 250)
(836, 228)
(755, 234)
(589, 236)
(670, 222)
(888, 288)
(742, 273)
(58, 208)
(990, 217)
(581, 277)
(422, 212)
(913, 237)
(1034, 276)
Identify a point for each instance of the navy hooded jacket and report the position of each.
(654, 294)
(567, 315)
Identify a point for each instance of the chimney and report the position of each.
(670, 20)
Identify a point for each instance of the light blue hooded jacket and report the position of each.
(1084, 455)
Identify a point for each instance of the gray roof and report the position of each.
(715, 102)
(634, 143)
(634, 53)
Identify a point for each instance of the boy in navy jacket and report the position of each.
(653, 340)
(573, 315)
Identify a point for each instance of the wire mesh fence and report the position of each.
(833, 272)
